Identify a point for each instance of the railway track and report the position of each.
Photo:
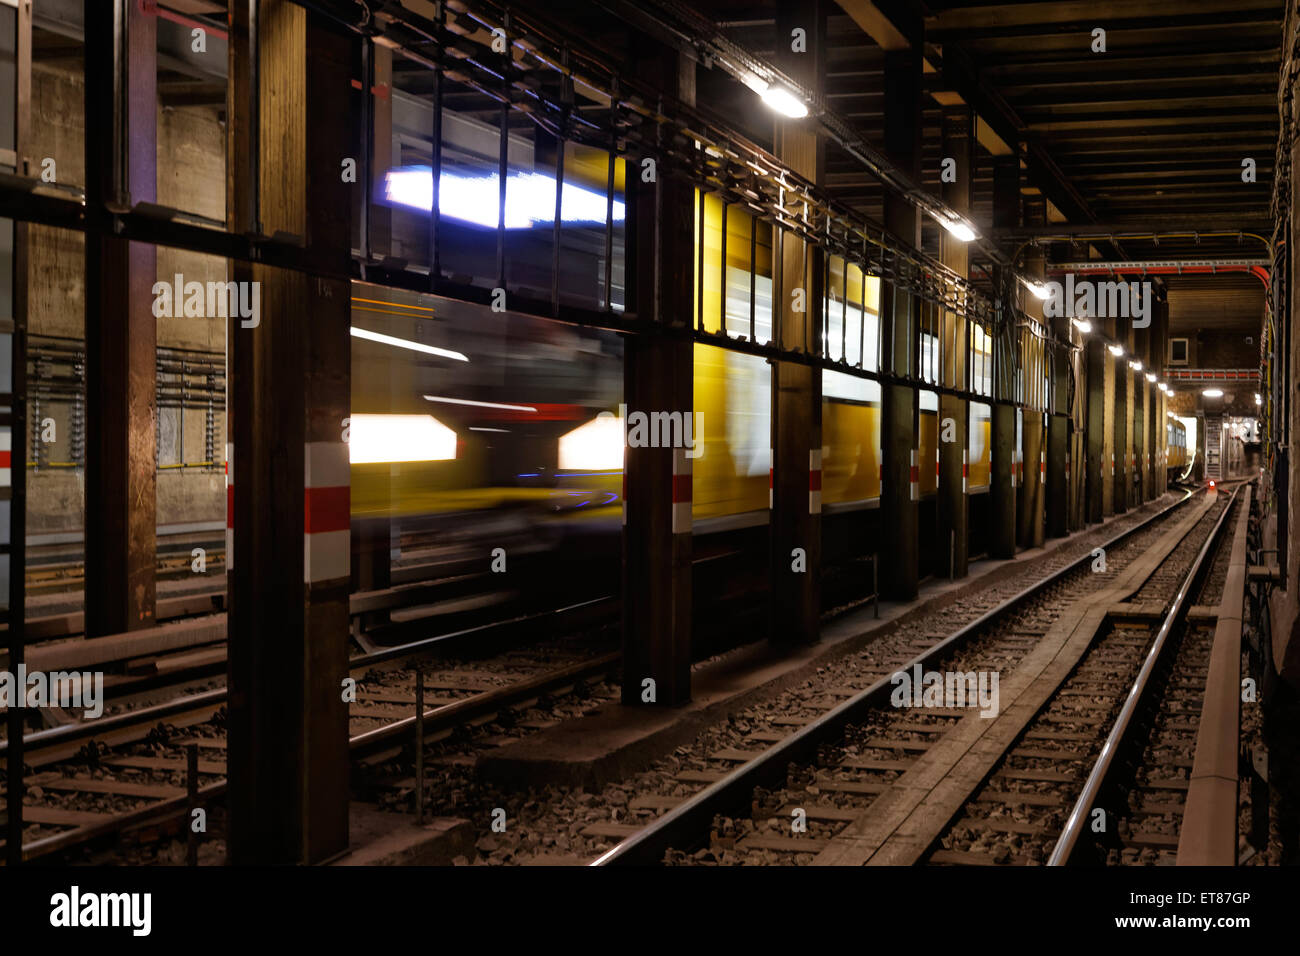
(1140, 782)
(95, 779)
(1019, 812)
(804, 798)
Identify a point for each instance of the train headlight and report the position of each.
(595, 446)
(381, 438)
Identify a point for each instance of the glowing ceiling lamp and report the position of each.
(530, 197)
(783, 101)
(1151, 377)
(1083, 325)
(1039, 289)
(962, 232)
(1212, 392)
(1135, 365)
(391, 438)
(1259, 399)
(1116, 350)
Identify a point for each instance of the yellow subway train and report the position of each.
(460, 410)
(1177, 454)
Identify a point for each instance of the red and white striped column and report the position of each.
(6, 456)
(327, 554)
(681, 492)
(914, 477)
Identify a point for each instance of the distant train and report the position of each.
(1177, 455)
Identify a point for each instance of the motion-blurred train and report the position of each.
(459, 410)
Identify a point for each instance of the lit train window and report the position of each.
(738, 305)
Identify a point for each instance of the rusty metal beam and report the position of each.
(288, 554)
(121, 136)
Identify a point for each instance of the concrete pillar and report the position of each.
(899, 316)
(1096, 464)
(121, 464)
(1140, 434)
(288, 570)
(1031, 504)
(953, 500)
(797, 387)
(1160, 418)
(1123, 406)
(1057, 494)
(658, 377)
(1004, 447)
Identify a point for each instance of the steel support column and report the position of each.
(17, 78)
(1002, 426)
(1137, 481)
(899, 316)
(1059, 420)
(658, 377)
(953, 503)
(121, 148)
(1031, 505)
(1119, 330)
(797, 388)
(1097, 465)
(290, 386)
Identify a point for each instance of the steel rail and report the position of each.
(1067, 843)
(435, 718)
(52, 736)
(647, 847)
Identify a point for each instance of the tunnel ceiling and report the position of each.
(1149, 135)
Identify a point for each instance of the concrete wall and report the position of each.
(191, 176)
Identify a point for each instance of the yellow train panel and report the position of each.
(977, 472)
(850, 452)
(739, 226)
(733, 391)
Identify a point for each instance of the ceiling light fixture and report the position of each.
(959, 230)
(784, 101)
